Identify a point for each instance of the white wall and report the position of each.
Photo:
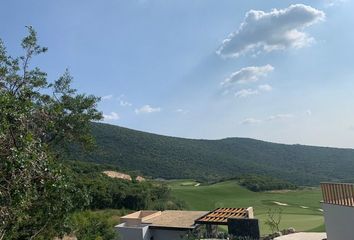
(143, 232)
(339, 221)
(133, 232)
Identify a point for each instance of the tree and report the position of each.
(92, 226)
(36, 194)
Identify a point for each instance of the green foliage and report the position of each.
(273, 221)
(90, 225)
(258, 183)
(36, 194)
(105, 192)
(212, 160)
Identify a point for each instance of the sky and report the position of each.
(279, 71)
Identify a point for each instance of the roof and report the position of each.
(184, 220)
(175, 219)
(140, 215)
(220, 215)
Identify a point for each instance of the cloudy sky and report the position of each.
(279, 71)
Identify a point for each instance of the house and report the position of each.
(338, 208)
(174, 225)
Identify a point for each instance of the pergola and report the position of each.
(219, 216)
(239, 221)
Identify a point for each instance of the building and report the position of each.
(174, 225)
(338, 208)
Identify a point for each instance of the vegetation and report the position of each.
(258, 183)
(105, 192)
(36, 195)
(300, 208)
(213, 160)
(90, 225)
(41, 195)
(273, 219)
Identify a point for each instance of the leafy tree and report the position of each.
(36, 195)
(89, 225)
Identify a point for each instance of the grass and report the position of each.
(230, 194)
(182, 183)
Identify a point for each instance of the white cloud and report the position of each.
(275, 30)
(279, 116)
(265, 88)
(308, 112)
(332, 3)
(249, 92)
(268, 119)
(111, 117)
(248, 74)
(107, 97)
(249, 121)
(246, 93)
(125, 103)
(147, 109)
(182, 111)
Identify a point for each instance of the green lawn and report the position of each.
(182, 183)
(230, 194)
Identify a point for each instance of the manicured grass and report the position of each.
(230, 194)
(182, 183)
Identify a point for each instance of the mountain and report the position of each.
(211, 160)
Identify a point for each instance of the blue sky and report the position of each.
(273, 70)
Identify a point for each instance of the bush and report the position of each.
(90, 225)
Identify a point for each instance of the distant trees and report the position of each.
(105, 192)
(258, 183)
(36, 195)
(210, 161)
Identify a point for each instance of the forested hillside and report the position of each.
(211, 160)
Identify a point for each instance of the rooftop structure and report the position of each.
(176, 219)
(173, 225)
(338, 193)
(220, 215)
(138, 218)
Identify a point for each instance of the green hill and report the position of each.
(212, 160)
